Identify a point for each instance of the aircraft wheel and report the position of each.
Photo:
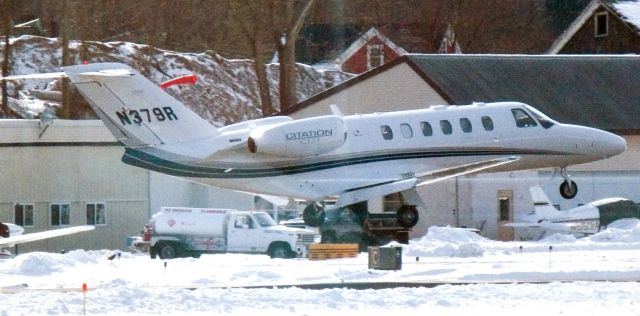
(408, 216)
(568, 190)
(313, 215)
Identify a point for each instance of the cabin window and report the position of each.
(465, 124)
(375, 55)
(60, 214)
(23, 215)
(406, 130)
(244, 222)
(487, 123)
(387, 133)
(426, 129)
(601, 22)
(446, 128)
(96, 214)
(522, 118)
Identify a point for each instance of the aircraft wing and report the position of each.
(444, 174)
(388, 187)
(44, 235)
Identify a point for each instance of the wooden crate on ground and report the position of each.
(332, 251)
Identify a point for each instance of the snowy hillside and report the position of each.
(226, 90)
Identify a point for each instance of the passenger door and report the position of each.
(244, 234)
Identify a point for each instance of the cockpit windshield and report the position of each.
(544, 120)
(264, 220)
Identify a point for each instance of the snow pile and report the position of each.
(447, 242)
(226, 91)
(624, 231)
(630, 11)
(43, 263)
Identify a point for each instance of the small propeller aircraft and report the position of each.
(582, 220)
(352, 158)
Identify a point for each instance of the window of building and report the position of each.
(446, 128)
(601, 22)
(465, 124)
(487, 123)
(96, 214)
(375, 55)
(406, 130)
(23, 215)
(426, 129)
(504, 208)
(522, 118)
(387, 133)
(60, 214)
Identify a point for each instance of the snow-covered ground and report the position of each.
(587, 276)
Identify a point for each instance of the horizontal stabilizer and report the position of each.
(44, 235)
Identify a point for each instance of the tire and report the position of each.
(168, 251)
(280, 251)
(313, 215)
(408, 216)
(328, 237)
(568, 190)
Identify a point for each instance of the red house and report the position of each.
(371, 50)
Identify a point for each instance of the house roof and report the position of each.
(601, 91)
(627, 11)
(363, 40)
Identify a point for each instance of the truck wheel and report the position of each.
(408, 216)
(168, 251)
(329, 237)
(280, 251)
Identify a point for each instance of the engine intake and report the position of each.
(300, 138)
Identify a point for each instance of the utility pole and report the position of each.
(66, 95)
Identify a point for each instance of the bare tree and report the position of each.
(251, 18)
(6, 23)
(288, 18)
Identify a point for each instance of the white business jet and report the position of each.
(354, 158)
(582, 220)
(12, 234)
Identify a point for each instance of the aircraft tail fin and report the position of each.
(543, 207)
(137, 111)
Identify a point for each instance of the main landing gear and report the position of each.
(568, 188)
(313, 215)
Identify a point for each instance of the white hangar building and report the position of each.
(71, 174)
(598, 91)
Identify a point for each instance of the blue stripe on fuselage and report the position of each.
(176, 165)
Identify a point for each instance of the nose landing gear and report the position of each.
(568, 188)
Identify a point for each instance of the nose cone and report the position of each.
(611, 145)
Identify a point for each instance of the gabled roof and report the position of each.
(601, 91)
(363, 40)
(627, 11)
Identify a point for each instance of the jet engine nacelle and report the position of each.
(299, 138)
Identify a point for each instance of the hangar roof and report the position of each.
(601, 91)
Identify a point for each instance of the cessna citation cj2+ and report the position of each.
(353, 158)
